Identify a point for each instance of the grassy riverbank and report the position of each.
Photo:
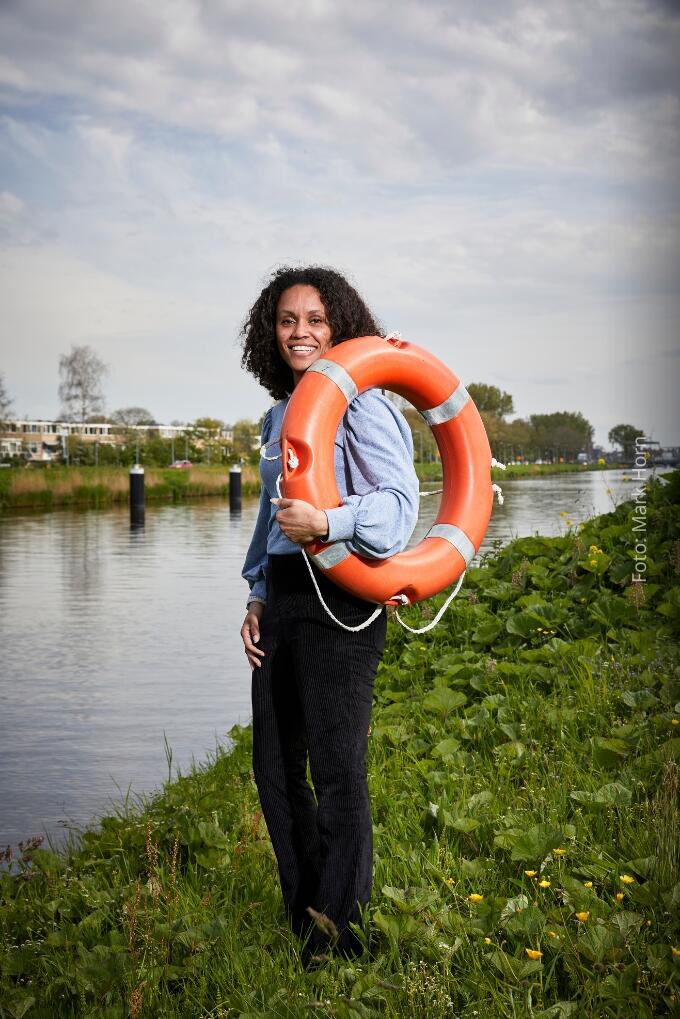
(56, 486)
(433, 471)
(524, 782)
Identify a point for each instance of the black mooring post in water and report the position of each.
(136, 495)
(235, 489)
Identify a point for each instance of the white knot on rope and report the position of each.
(497, 463)
(263, 454)
(499, 494)
(293, 461)
(430, 626)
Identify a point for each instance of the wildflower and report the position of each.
(582, 916)
(475, 897)
(487, 941)
(675, 721)
(544, 884)
(531, 873)
(553, 934)
(619, 896)
(675, 951)
(559, 852)
(587, 884)
(533, 954)
(449, 881)
(626, 879)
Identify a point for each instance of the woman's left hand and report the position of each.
(300, 521)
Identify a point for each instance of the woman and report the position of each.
(312, 681)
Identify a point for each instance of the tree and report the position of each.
(625, 436)
(132, 416)
(245, 435)
(80, 390)
(563, 433)
(491, 399)
(5, 402)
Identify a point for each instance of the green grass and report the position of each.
(97, 487)
(433, 471)
(533, 736)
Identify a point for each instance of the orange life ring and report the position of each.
(307, 440)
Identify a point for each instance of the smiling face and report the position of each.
(303, 333)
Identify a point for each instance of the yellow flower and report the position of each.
(531, 873)
(544, 884)
(619, 896)
(475, 897)
(553, 934)
(626, 879)
(582, 916)
(587, 884)
(533, 954)
(675, 721)
(559, 852)
(675, 951)
(487, 941)
(449, 881)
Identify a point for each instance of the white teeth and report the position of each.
(303, 350)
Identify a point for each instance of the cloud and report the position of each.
(499, 180)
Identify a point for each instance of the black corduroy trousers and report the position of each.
(312, 701)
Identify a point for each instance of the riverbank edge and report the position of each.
(174, 905)
(57, 487)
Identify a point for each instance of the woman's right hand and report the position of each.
(250, 633)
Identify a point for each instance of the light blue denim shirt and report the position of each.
(375, 476)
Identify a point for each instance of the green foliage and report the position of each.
(523, 766)
(491, 399)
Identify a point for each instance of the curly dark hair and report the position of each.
(347, 315)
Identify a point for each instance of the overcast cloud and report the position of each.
(498, 179)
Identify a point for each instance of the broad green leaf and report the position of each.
(609, 753)
(641, 699)
(612, 794)
(446, 747)
(443, 700)
(535, 844)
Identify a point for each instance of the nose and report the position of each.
(300, 329)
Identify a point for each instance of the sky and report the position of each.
(498, 180)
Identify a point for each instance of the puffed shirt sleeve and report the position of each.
(379, 515)
(255, 565)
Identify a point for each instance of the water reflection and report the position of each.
(116, 637)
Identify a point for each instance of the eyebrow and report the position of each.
(313, 311)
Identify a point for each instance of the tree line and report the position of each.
(560, 435)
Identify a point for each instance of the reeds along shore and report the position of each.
(94, 487)
(56, 486)
(523, 766)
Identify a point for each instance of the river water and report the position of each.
(117, 644)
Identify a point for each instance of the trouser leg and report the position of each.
(336, 672)
(280, 769)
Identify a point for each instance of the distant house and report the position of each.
(43, 441)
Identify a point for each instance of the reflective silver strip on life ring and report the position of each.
(450, 408)
(331, 556)
(336, 373)
(456, 537)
